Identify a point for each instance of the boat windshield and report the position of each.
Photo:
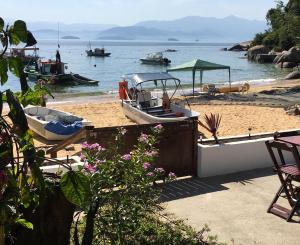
(157, 80)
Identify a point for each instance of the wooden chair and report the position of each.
(289, 175)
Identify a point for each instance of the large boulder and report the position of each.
(258, 49)
(237, 48)
(292, 55)
(264, 58)
(288, 64)
(243, 46)
(293, 75)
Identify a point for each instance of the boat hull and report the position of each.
(155, 62)
(33, 114)
(142, 117)
(91, 53)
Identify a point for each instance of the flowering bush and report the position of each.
(122, 188)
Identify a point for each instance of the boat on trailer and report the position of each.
(53, 124)
(141, 105)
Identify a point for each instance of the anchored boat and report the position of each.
(97, 52)
(54, 72)
(53, 124)
(155, 59)
(141, 105)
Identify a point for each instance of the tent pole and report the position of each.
(229, 79)
(201, 80)
(194, 82)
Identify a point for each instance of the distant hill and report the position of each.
(206, 29)
(191, 28)
(49, 30)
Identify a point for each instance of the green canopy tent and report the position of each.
(200, 65)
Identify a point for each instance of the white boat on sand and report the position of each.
(53, 124)
(143, 107)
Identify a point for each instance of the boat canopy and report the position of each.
(139, 78)
(200, 65)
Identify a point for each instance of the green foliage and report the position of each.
(3, 71)
(76, 187)
(284, 26)
(16, 66)
(21, 180)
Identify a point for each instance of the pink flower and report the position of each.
(150, 174)
(146, 165)
(126, 157)
(172, 175)
(85, 145)
(89, 168)
(82, 157)
(151, 153)
(144, 138)
(159, 170)
(159, 127)
(94, 146)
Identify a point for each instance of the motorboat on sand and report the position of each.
(141, 105)
(53, 124)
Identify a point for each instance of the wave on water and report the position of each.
(256, 81)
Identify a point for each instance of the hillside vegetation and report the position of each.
(284, 27)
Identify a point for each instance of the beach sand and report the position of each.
(236, 119)
(106, 111)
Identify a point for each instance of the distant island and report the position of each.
(70, 37)
(172, 39)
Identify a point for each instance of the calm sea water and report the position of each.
(125, 59)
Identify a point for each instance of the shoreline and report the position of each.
(101, 97)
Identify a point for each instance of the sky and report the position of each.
(129, 12)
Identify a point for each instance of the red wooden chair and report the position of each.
(289, 176)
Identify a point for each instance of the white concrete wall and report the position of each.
(233, 157)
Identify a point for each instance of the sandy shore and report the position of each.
(106, 111)
(236, 119)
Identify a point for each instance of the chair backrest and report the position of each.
(282, 147)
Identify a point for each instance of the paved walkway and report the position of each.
(234, 207)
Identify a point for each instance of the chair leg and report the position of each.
(276, 197)
(295, 207)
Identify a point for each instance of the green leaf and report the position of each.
(25, 223)
(20, 30)
(76, 187)
(16, 66)
(1, 24)
(30, 39)
(13, 38)
(3, 71)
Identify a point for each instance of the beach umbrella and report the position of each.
(200, 65)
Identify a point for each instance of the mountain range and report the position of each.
(204, 29)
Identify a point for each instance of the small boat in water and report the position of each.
(155, 59)
(141, 106)
(97, 52)
(54, 72)
(171, 50)
(53, 124)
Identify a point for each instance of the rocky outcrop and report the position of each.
(239, 47)
(257, 50)
(265, 58)
(291, 56)
(293, 75)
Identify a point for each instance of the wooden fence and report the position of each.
(177, 145)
